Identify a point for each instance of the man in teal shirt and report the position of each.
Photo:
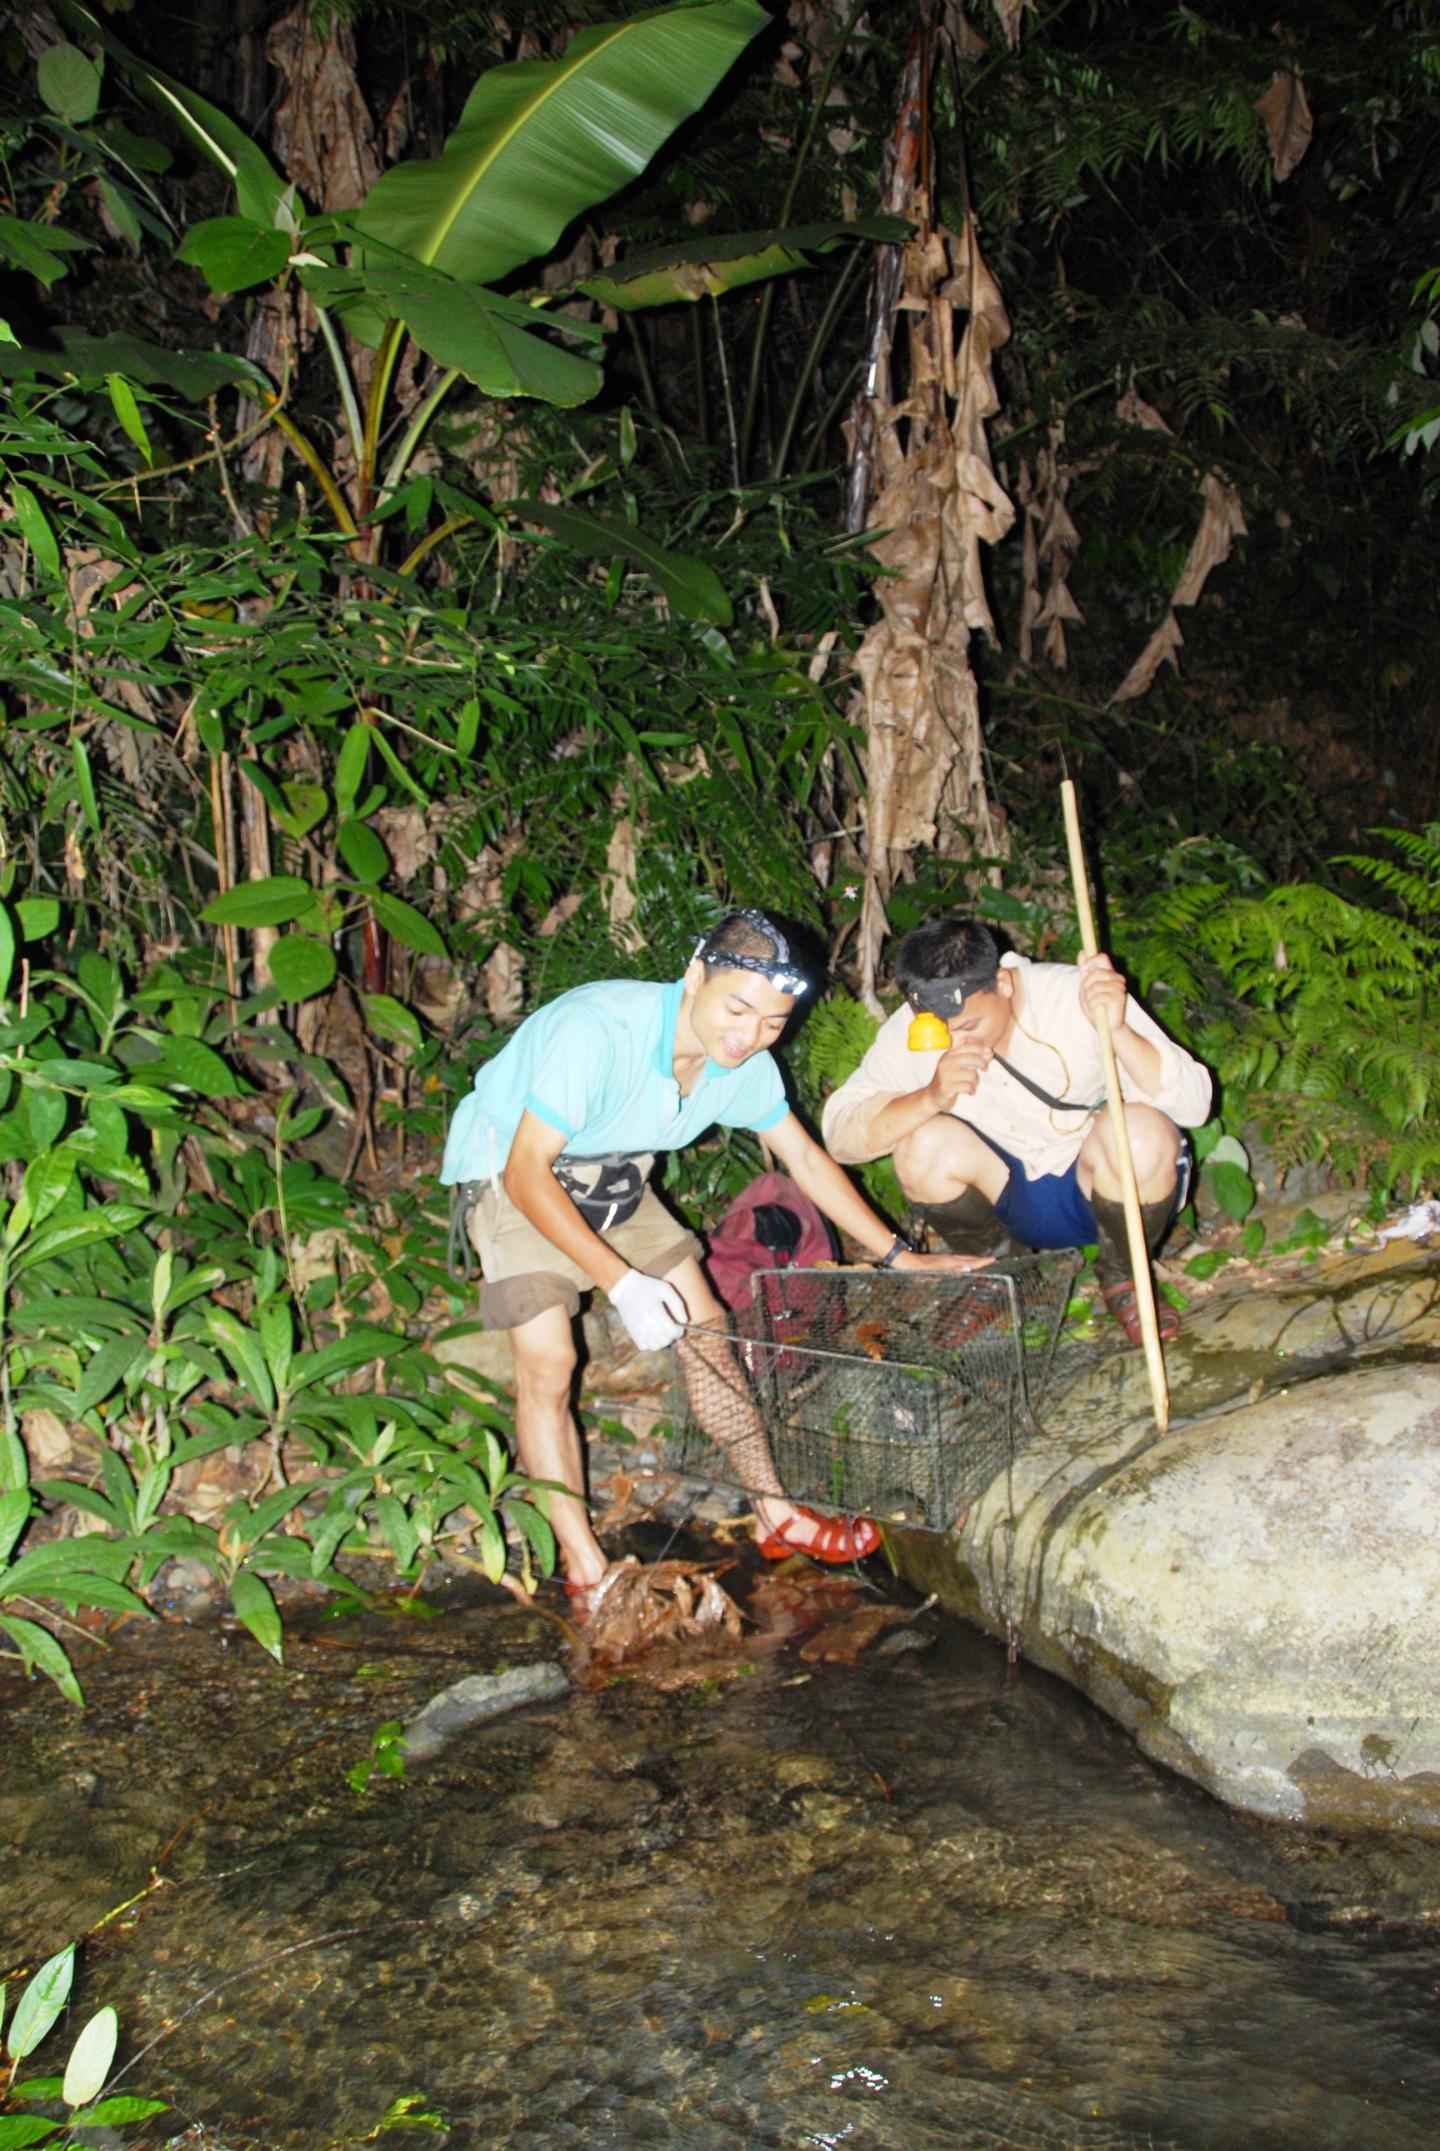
(556, 1141)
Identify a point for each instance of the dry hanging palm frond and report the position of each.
(926, 460)
(1221, 523)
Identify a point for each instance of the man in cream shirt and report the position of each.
(1002, 1136)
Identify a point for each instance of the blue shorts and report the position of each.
(1051, 1211)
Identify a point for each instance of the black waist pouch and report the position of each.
(605, 1190)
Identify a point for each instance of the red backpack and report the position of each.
(770, 1225)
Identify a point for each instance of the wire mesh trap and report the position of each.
(879, 1392)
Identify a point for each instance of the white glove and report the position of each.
(651, 1310)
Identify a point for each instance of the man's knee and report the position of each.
(1155, 1145)
(545, 1360)
(940, 1158)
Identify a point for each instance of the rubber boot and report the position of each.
(1113, 1271)
(968, 1226)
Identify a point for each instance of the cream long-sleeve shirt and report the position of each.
(1054, 1043)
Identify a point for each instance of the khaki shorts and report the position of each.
(525, 1273)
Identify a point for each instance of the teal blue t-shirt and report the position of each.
(598, 1065)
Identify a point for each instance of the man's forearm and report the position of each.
(1140, 1059)
(873, 1130)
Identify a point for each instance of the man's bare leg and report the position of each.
(726, 1409)
(549, 1440)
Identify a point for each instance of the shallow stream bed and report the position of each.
(927, 1900)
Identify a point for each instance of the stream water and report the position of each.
(926, 1900)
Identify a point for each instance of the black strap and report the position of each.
(459, 1255)
(1060, 1105)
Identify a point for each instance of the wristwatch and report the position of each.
(898, 1246)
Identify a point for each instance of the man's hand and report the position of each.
(652, 1310)
(1101, 986)
(946, 1265)
(957, 1072)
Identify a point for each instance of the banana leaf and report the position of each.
(73, 356)
(259, 188)
(489, 338)
(707, 267)
(541, 141)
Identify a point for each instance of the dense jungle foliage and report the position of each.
(425, 584)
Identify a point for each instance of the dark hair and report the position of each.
(748, 941)
(960, 949)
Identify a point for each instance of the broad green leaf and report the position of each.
(7, 950)
(658, 276)
(305, 805)
(693, 588)
(190, 1064)
(19, 2131)
(216, 136)
(35, 527)
(234, 255)
(14, 1515)
(85, 784)
(115, 2113)
(399, 1532)
(127, 410)
(243, 1350)
(69, 354)
(277, 1336)
(407, 925)
(40, 1652)
(301, 966)
(38, 250)
(350, 765)
(38, 916)
(1231, 1186)
(120, 203)
(41, 2003)
(255, 1605)
(106, 1371)
(362, 851)
(275, 901)
(389, 1018)
(69, 83)
(490, 339)
(541, 141)
(90, 2059)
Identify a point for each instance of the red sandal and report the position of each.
(837, 1538)
(1122, 1302)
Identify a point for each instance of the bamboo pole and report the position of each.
(1129, 1185)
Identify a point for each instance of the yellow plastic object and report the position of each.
(927, 1034)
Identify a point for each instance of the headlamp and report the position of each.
(778, 970)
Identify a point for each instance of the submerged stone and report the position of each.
(478, 1697)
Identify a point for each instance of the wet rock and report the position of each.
(476, 1698)
(1256, 1595)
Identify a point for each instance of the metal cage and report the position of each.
(890, 1393)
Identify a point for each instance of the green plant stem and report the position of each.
(400, 461)
(353, 425)
(385, 362)
(844, 284)
(729, 400)
(836, 404)
(767, 304)
(427, 545)
(339, 507)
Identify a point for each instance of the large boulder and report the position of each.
(1256, 1594)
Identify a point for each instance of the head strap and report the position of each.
(779, 969)
(945, 997)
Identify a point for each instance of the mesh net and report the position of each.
(880, 1392)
